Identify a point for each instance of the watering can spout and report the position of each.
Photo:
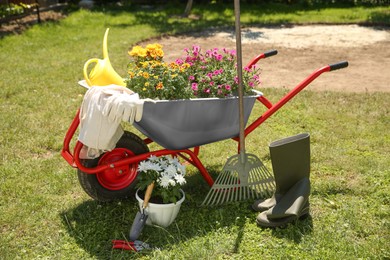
(105, 48)
(103, 73)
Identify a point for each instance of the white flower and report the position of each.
(172, 182)
(164, 181)
(171, 170)
(153, 158)
(144, 166)
(180, 179)
(181, 169)
(163, 163)
(174, 160)
(155, 167)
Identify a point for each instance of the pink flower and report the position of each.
(207, 90)
(195, 50)
(191, 77)
(194, 86)
(219, 57)
(228, 87)
(211, 83)
(179, 61)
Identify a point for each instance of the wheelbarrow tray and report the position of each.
(181, 124)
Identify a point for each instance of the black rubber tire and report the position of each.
(91, 184)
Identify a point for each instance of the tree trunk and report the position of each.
(188, 8)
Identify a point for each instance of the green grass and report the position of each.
(44, 214)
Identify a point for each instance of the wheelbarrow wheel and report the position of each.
(113, 184)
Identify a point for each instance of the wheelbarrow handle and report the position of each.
(270, 53)
(338, 65)
(261, 56)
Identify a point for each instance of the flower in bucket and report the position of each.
(196, 75)
(168, 175)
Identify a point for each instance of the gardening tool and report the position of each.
(290, 159)
(244, 176)
(141, 217)
(130, 245)
(103, 73)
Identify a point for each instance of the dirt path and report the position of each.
(303, 49)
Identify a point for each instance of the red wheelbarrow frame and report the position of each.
(189, 155)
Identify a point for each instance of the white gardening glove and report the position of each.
(122, 107)
(110, 93)
(139, 108)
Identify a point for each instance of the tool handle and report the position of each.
(261, 56)
(148, 194)
(270, 53)
(86, 77)
(239, 75)
(339, 65)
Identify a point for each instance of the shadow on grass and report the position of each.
(93, 224)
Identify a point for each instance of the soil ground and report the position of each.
(301, 50)
(17, 26)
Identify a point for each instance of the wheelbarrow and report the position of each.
(180, 128)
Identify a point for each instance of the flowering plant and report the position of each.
(167, 173)
(152, 78)
(214, 73)
(196, 75)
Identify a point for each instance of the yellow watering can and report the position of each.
(102, 74)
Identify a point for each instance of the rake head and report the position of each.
(243, 177)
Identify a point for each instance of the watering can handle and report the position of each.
(86, 77)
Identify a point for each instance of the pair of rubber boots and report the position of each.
(290, 159)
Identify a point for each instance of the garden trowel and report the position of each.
(142, 216)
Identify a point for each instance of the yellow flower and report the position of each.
(159, 85)
(155, 50)
(146, 84)
(186, 65)
(138, 51)
(145, 75)
(131, 74)
(144, 64)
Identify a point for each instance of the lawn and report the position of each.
(44, 213)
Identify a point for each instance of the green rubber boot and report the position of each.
(292, 206)
(290, 158)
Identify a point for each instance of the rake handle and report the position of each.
(239, 75)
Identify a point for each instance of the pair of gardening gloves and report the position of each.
(102, 110)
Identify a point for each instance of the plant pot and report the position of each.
(161, 214)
